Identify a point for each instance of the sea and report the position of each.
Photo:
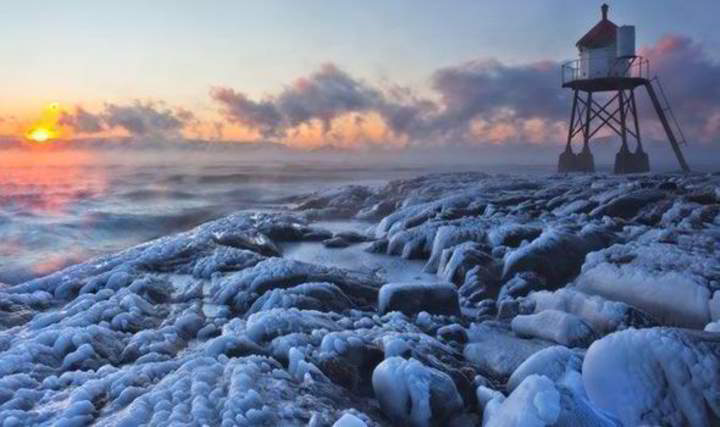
(58, 209)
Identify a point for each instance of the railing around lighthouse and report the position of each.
(610, 67)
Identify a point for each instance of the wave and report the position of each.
(150, 194)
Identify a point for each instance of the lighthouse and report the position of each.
(603, 80)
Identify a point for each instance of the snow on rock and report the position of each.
(240, 290)
(349, 420)
(215, 327)
(538, 401)
(321, 296)
(456, 262)
(658, 376)
(496, 352)
(627, 205)
(603, 316)
(554, 363)
(673, 282)
(553, 325)
(556, 255)
(513, 234)
(266, 325)
(413, 394)
(412, 298)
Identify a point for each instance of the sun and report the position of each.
(40, 134)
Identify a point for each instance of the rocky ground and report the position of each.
(446, 300)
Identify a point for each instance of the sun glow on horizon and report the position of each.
(41, 134)
(46, 129)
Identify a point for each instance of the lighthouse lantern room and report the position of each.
(608, 64)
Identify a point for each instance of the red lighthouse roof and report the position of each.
(604, 33)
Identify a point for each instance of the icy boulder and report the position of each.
(553, 325)
(555, 363)
(241, 289)
(628, 205)
(672, 282)
(412, 298)
(349, 420)
(343, 202)
(556, 255)
(540, 402)
(604, 316)
(496, 352)
(450, 235)
(266, 325)
(306, 296)
(457, 261)
(512, 234)
(413, 394)
(658, 376)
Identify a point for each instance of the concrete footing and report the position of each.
(628, 162)
(581, 162)
(625, 161)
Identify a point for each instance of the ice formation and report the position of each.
(558, 300)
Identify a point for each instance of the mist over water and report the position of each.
(58, 209)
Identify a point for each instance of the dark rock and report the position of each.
(628, 205)
(336, 242)
(521, 285)
(454, 333)
(412, 298)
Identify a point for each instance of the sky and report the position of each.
(341, 72)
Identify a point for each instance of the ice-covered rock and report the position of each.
(240, 290)
(306, 296)
(496, 352)
(657, 376)
(413, 394)
(553, 362)
(412, 298)
(513, 234)
(349, 420)
(672, 282)
(215, 327)
(557, 326)
(540, 402)
(604, 316)
(627, 205)
(556, 255)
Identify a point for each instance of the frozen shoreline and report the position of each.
(453, 299)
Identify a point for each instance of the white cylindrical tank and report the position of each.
(626, 41)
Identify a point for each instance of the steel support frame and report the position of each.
(588, 117)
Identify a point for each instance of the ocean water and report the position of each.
(61, 209)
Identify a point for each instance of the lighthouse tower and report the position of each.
(603, 80)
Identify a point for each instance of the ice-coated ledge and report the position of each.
(458, 299)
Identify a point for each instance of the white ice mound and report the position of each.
(349, 420)
(539, 402)
(556, 254)
(553, 325)
(496, 352)
(658, 376)
(672, 282)
(413, 394)
(555, 362)
(412, 298)
(604, 316)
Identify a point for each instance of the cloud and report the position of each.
(82, 121)
(481, 101)
(138, 119)
(237, 108)
(322, 96)
(485, 91)
(141, 119)
(691, 79)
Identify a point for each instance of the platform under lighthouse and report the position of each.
(603, 80)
